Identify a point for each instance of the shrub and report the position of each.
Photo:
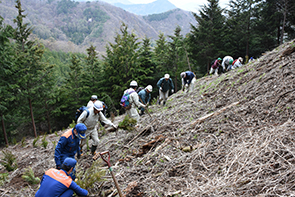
(35, 142)
(127, 124)
(44, 141)
(9, 161)
(92, 175)
(3, 178)
(29, 176)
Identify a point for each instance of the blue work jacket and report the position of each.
(188, 77)
(56, 183)
(144, 96)
(165, 84)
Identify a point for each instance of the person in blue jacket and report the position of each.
(144, 97)
(188, 80)
(164, 85)
(58, 182)
(68, 145)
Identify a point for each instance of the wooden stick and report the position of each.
(202, 119)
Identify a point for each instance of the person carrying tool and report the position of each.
(133, 101)
(95, 115)
(164, 85)
(68, 145)
(188, 80)
(58, 182)
(145, 97)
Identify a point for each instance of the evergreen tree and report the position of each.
(160, 57)
(121, 64)
(207, 39)
(31, 73)
(6, 64)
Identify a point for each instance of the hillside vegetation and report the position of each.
(72, 26)
(232, 136)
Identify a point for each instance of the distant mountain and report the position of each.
(73, 28)
(155, 7)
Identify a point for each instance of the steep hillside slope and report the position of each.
(74, 29)
(232, 136)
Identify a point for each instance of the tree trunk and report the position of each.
(47, 115)
(32, 117)
(284, 9)
(4, 131)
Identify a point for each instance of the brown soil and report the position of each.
(232, 136)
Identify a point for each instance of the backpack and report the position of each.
(125, 100)
(139, 89)
(80, 111)
(234, 62)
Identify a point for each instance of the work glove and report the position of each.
(115, 127)
(186, 85)
(161, 88)
(172, 91)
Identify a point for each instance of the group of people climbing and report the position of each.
(225, 64)
(59, 181)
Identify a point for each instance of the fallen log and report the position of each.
(202, 119)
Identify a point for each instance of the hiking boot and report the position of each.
(158, 102)
(93, 149)
(164, 102)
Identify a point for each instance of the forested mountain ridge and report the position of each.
(73, 26)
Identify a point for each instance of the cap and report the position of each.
(219, 59)
(93, 97)
(149, 88)
(98, 105)
(71, 162)
(133, 83)
(182, 75)
(166, 76)
(240, 59)
(81, 129)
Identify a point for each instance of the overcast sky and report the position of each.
(189, 5)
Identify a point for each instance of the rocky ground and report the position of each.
(232, 136)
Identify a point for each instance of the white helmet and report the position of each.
(241, 59)
(98, 105)
(93, 97)
(166, 76)
(133, 83)
(149, 88)
(182, 75)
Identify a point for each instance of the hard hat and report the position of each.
(93, 97)
(133, 83)
(70, 162)
(149, 88)
(240, 59)
(182, 75)
(98, 105)
(81, 129)
(219, 59)
(231, 61)
(166, 76)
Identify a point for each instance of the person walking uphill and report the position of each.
(58, 182)
(188, 80)
(68, 144)
(134, 101)
(95, 115)
(145, 97)
(164, 85)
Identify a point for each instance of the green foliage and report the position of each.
(158, 17)
(29, 176)
(23, 142)
(35, 142)
(54, 144)
(3, 178)
(64, 6)
(44, 142)
(9, 161)
(127, 123)
(94, 174)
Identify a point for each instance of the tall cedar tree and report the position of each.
(31, 72)
(239, 26)
(6, 64)
(177, 56)
(208, 37)
(121, 64)
(160, 57)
